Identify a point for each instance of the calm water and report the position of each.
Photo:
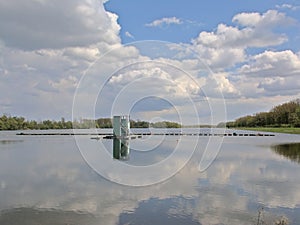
(45, 180)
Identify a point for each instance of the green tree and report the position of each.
(287, 114)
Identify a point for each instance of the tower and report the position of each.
(121, 126)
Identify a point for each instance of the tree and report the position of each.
(287, 114)
(294, 118)
(282, 112)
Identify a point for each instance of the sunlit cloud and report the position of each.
(166, 21)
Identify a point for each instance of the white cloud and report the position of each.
(159, 75)
(219, 57)
(54, 24)
(287, 6)
(280, 86)
(268, 74)
(164, 22)
(247, 19)
(128, 34)
(223, 85)
(44, 54)
(64, 84)
(46, 46)
(273, 64)
(269, 19)
(227, 45)
(85, 53)
(256, 31)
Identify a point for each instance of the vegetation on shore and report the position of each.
(286, 130)
(283, 118)
(20, 123)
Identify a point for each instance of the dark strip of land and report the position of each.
(234, 134)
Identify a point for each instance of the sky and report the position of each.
(188, 61)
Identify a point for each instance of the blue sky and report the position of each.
(207, 55)
(194, 15)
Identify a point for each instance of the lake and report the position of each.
(78, 180)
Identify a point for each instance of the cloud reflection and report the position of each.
(49, 174)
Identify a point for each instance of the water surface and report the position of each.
(45, 180)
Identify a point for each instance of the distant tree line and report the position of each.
(139, 124)
(20, 123)
(165, 124)
(284, 115)
(107, 123)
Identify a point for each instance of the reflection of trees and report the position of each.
(46, 217)
(290, 151)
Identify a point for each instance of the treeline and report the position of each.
(284, 115)
(165, 124)
(20, 123)
(107, 123)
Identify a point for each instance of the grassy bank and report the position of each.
(286, 130)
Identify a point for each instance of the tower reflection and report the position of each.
(121, 148)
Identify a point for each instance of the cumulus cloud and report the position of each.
(273, 64)
(268, 74)
(220, 83)
(268, 19)
(46, 46)
(164, 22)
(227, 45)
(85, 53)
(64, 84)
(55, 24)
(219, 57)
(280, 86)
(140, 81)
(256, 31)
(157, 74)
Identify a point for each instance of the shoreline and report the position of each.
(283, 130)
